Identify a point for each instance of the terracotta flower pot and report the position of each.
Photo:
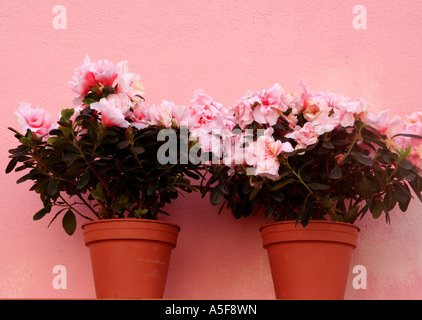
(130, 257)
(309, 262)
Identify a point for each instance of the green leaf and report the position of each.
(318, 186)
(305, 213)
(223, 184)
(137, 149)
(277, 196)
(69, 222)
(66, 114)
(328, 145)
(254, 193)
(124, 199)
(282, 184)
(20, 150)
(377, 209)
(362, 158)
(52, 187)
(192, 175)
(27, 141)
(404, 205)
(269, 209)
(97, 193)
(409, 135)
(247, 188)
(416, 185)
(71, 156)
(402, 193)
(152, 188)
(388, 156)
(83, 181)
(64, 125)
(351, 214)
(41, 213)
(216, 196)
(406, 164)
(371, 136)
(140, 212)
(390, 200)
(407, 174)
(52, 140)
(336, 173)
(12, 164)
(26, 177)
(123, 144)
(364, 187)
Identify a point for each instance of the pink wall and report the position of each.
(225, 47)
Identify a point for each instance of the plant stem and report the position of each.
(71, 207)
(88, 205)
(301, 181)
(91, 166)
(351, 147)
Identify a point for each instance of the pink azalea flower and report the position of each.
(129, 83)
(357, 107)
(266, 151)
(35, 119)
(270, 104)
(209, 143)
(315, 104)
(414, 118)
(110, 112)
(181, 116)
(208, 115)
(384, 123)
(140, 115)
(304, 136)
(415, 144)
(346, 119)
(162, 115)
(348, 110)
(325, 123)
(311, 103)
(92, 74)
(169, 115)
(243, 111)
(414, 127)
(233, 150)
(121, 102)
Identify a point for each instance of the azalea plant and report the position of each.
(315, 156)
(100, 160)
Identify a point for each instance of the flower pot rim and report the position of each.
(131, 229)
(135, 220)
(317, 230)
(313, 222)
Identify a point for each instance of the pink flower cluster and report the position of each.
(264, 107)
(36, 119)
(413, 126)
(322, 111)
(117, 99)
(95, 76)
(401, 133)
(120, 101)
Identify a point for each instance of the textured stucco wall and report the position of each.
(225, 47)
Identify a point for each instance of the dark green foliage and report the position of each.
(111, 172)
(337, 179)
